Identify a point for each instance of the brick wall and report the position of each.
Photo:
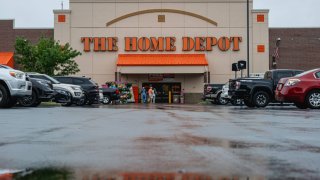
(299, 47)
(8, 34)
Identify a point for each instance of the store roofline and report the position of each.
(260, 10)
(65, 11)
(51, 28)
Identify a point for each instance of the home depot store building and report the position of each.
(172, 45)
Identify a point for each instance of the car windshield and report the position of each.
(54, 81)
(304, 73)
(5, 67)
(93, 82)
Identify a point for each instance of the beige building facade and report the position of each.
(153, 41)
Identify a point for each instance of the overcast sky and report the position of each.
(283, 13)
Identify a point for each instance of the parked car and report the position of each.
(303, 90)
(77, 95)
(212, 92)
(90, 88)
(62, 96)
(107, 95)
(226, 97)
(42, 91)
(14, 84)
(257, 92)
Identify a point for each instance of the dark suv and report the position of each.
(90, 88)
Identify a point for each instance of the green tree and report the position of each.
(47, 57)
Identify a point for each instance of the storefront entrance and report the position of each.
(163, 89)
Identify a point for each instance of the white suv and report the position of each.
(14, 84)
(77, 93)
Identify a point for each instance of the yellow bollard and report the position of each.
(169, 97)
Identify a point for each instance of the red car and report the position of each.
(303, 90)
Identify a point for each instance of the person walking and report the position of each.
(154, 95)
(150, 92)
(144, 95)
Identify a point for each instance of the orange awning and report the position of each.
(162, 60)
(6, 58)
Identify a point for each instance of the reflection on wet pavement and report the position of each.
(53, 173)
(180, 141)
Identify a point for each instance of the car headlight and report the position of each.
(292, 82)
(75, 88)
(17, 75)
(237, 85)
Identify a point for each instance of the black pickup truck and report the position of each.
(107, 95)
(212, 92)
(259, 92)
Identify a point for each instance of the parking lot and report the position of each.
(219, 141)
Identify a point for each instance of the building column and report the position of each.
(206, 78)
(62, 26)
(118, 76)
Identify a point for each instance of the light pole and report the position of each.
(275, 55)
(248, 39)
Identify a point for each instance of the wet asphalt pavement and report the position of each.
(219, 141)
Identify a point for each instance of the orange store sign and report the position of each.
(102, 44)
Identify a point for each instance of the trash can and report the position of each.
(176, 99)
(182, 99)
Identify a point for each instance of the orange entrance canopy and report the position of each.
(162, 60)
(6, 58)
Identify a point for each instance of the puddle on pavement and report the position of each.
(187, 139)
(50, 130)
(192, 140)
(280, 169)
(190, 126)
(53, 173)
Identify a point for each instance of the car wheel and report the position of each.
(313, 99)
(68, 103)
(301, 105)
(29, 101)
(261, 99)
(221, 100)
(4, 96)
(106, 99)
(248, 103)
(82, 101)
